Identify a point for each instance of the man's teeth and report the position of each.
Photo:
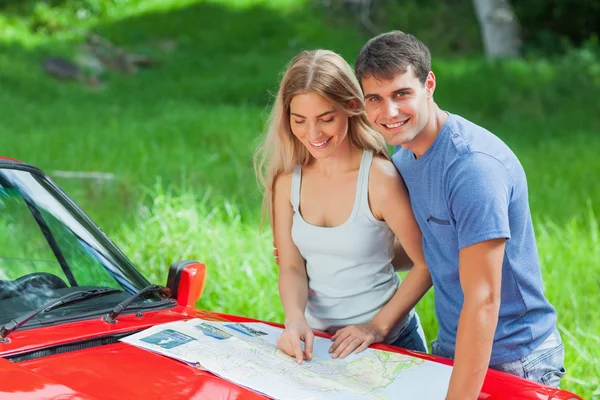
(396, 125)
(320, 144)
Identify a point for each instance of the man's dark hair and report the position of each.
(390, 53)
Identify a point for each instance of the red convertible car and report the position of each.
(68, 294)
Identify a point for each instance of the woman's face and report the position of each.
(318, 124)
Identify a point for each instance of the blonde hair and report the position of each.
(329, 75)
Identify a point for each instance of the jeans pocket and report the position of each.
(548, 367)
(552, 378)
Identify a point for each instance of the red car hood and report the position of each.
(113, 371)
(117, 371)
(121, 371)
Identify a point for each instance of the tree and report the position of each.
(499, 28)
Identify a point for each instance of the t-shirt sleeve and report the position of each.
(480, 188)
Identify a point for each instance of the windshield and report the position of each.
(48, 248)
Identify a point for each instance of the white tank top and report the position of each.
(350, 275)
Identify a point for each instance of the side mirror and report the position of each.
(186, 281)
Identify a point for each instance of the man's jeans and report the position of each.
(545, 364)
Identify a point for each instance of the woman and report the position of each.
(336, 202)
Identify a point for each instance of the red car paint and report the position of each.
(120, 371)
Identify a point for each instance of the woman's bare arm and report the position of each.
(293, 281)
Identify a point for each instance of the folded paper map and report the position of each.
(246, 354)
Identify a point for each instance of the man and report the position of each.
(469, 195)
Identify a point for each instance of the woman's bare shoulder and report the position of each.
(385, 182)
(383, 170)
(282, 183)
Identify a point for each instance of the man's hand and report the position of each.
(290, 341)
(354, 338)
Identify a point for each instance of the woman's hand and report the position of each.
(290, 341)
(354, 338)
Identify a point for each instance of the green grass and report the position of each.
(180, 138)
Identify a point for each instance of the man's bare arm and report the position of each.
(480, 270)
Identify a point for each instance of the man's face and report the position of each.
(398, 108)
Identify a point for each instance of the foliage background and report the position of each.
(180, 136)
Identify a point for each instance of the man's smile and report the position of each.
(396, 125)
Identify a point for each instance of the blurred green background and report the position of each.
(170, 97)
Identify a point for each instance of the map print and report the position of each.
(168, 339)
(247, 355)
(246, 329)
(212, 331)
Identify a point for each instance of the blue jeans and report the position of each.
(412, 336)
(545, 364)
